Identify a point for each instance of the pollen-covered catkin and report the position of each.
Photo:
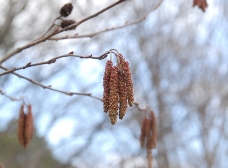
(122, 96)
(129, 83)
(106, 85)
(114, 94)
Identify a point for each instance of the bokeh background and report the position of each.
(179, 63)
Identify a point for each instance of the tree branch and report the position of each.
(90, 35)
(53, 60)
(49, 87)
(10, 97)
(43, 39)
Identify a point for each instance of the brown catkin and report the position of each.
(121, 61)
(66, 10)
(201, 4)
(122, 96)
(25, 126)
(143, 133)
(149, 135)
(21, 127)
(106, 85)
(129, 83)
(149, 158)
(2, 165)
(114, 94)
(154, 130)
(29, 124)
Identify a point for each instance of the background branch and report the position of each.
(50, 87)
(40, 40)
(90, 35)
(10, 97)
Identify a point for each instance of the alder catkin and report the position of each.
(21, 126)
(114, 94)
(29, 124)
(25, 126)
(106, 85)
(143, 133)
(122, 96)
(129, 83)
(154, 130)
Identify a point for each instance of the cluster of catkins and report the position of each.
(64, 12)
(118, 88)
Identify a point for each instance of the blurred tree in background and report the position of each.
(36, 156)
(179, 63)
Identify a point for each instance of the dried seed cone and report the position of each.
(66, 23)
(114, 94)
(122, 96)
(21, 127)
(129, 83)
(66, 10)
(106, 85)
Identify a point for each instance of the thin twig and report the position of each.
(50, 87)
(91, 16)
(53, 60)
(10, 97)
(40, 40)
(52, 25)
(90, 35)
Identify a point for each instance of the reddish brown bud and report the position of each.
(66, 10)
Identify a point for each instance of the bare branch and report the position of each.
(10, 97)
(50, 87)
(52, 25)
(53, 60)
(40, 40)
(90, 35)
